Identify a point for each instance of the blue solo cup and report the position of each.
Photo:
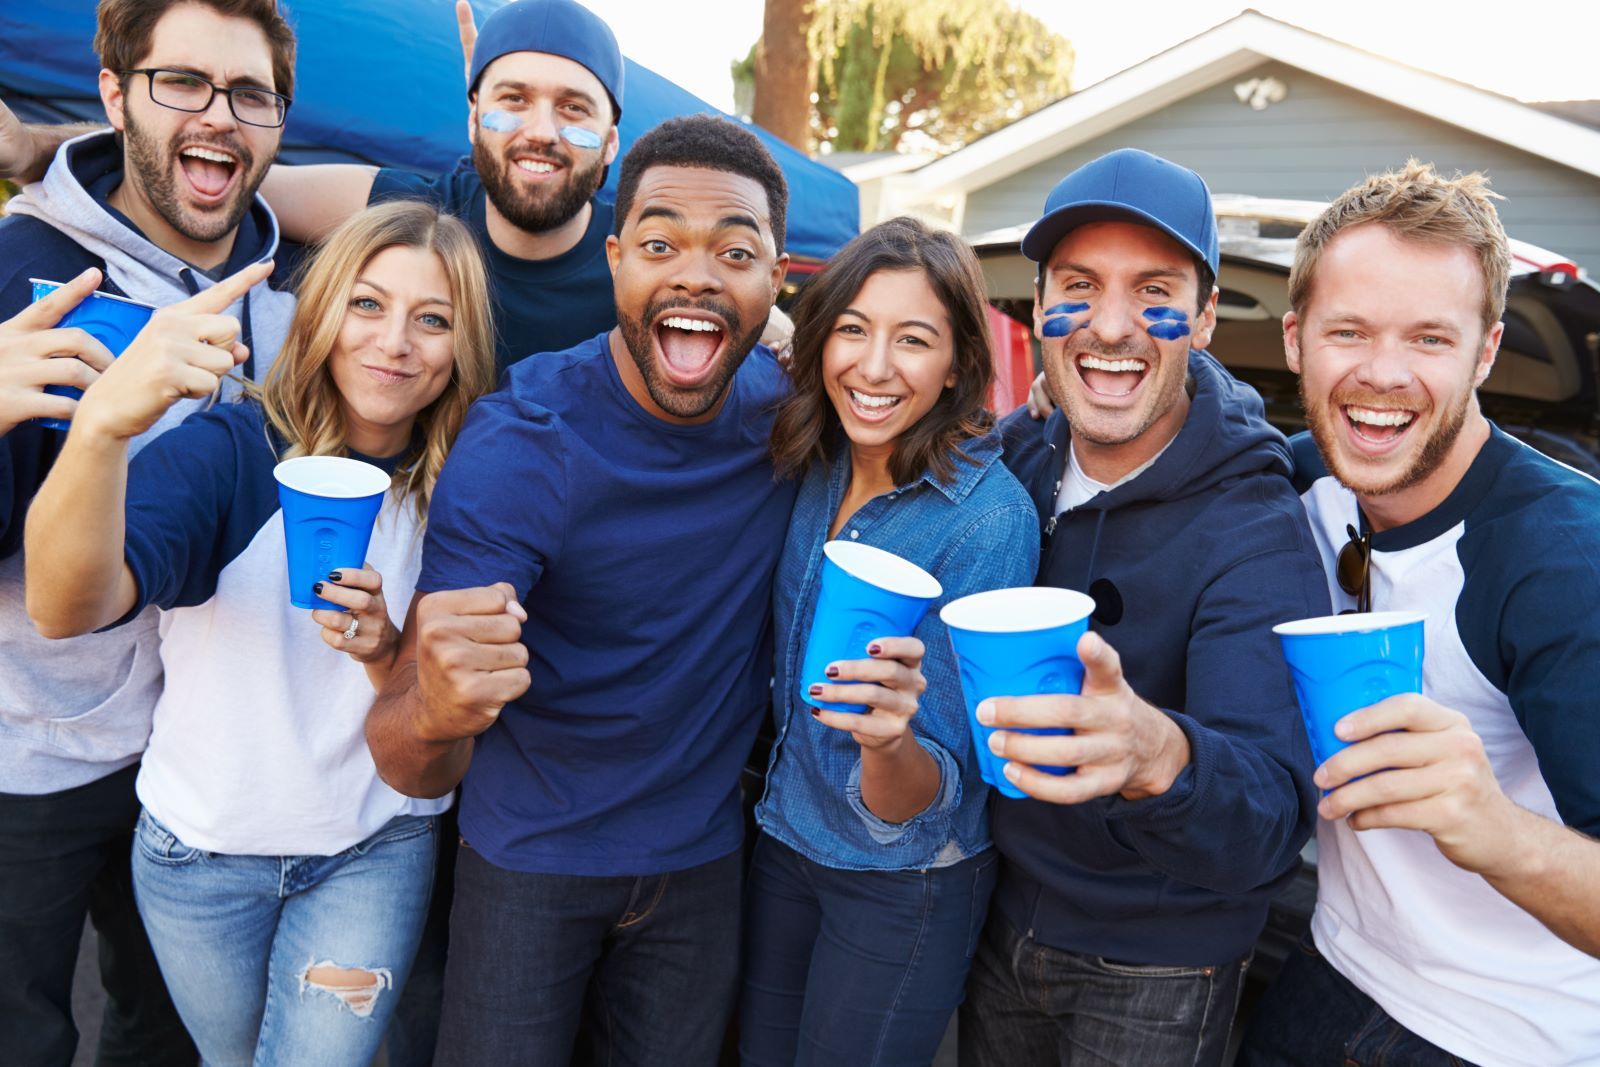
(114, 321)
(1342, 663)
(1012, 643)
(866, 593)
(329, 506)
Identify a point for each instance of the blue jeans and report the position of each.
(1031, 1004)
(629, 970)
(1313, 1014)
(64, 855)
(238, 938)
(855, 967)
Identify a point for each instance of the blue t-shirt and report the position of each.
(975, 533)
(643, 552)
(540, 305)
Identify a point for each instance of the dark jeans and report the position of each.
(1313, 1014)
(414, 1029)
(624, 970)
(1031, 1004)
(855, 967)
(63, 856)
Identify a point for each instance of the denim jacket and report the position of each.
(977, 533)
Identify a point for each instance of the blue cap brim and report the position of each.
(1042, 238)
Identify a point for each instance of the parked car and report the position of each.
(1542, 389)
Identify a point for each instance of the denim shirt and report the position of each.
(979, 532)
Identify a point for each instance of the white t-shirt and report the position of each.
(1510, 643)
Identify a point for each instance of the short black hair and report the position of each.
(711, 143)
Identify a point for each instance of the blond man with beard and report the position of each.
(1456, 914)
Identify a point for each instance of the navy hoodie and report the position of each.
(1190, 564)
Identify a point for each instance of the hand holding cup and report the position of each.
(185, 351)
(1410, 763)
(34, 354)
(893, 681)
(471, 661)
(359, 591)
(1119, 743)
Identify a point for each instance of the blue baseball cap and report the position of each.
(1129, 186)
(559, 27)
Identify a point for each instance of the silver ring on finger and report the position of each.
(351, 630)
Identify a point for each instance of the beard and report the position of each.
(676, 400)
(156, 164)
(1081, 415)
(537, 210)
(1434, 450)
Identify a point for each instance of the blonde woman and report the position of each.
(283, 884)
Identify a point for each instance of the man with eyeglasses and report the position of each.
(155, 209)
(1133, 889)
(1457, 912)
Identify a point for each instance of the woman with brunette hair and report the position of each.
(873, 870)
(283, 884)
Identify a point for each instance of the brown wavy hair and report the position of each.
(299, 397)
(123, 29)
(807, 427)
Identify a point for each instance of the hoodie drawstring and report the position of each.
(186, 276)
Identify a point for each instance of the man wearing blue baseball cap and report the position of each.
(1134, 887)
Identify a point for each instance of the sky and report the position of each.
(1528, 49)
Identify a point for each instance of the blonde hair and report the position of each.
(1417, 204)
(299, 397)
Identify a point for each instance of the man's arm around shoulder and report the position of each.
(461, 660)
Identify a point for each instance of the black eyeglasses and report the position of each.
(1354, 568)
(183, 91)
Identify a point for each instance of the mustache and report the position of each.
(234, 148)
(727, 312)
(1366, 398)
(1086, 344)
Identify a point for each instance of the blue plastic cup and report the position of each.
(1342, 663)
(114, 321)
(866, 593)
(329, 506)
(1011, 643)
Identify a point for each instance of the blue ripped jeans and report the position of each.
(237, 938)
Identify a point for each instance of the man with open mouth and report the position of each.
(1133, 888)
(162, 205)
(591, 658)
(1475, 938)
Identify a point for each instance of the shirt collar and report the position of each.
(982, 452)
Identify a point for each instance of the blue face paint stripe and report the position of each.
(500, 122)
(578, 137)
(1166, 324)
(1056, 322)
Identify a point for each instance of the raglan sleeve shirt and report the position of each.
(1539, 642)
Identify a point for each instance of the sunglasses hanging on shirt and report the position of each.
(1354, 568)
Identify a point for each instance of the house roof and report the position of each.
(1226, 51)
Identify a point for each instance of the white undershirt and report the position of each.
(1077, 487)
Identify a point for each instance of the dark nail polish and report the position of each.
(874, 649)
(816, 713)
(832, 672)
(317, 589)
(335, 576)
(816, 689)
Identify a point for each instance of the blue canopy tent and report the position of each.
(381, 82)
